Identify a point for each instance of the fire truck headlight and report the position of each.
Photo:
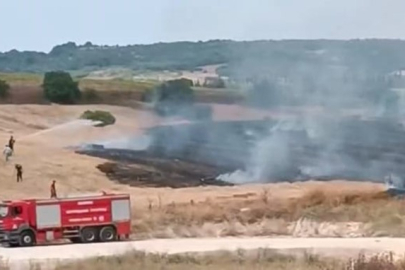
(14, 227)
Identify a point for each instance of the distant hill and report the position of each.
(244, 59)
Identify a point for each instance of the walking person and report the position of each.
(7, 152)
(53, 190)
(19, 171)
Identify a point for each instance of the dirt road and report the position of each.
(48, 255)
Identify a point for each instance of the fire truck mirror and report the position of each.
(3, 211)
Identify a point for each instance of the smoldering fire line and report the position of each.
(241, 152)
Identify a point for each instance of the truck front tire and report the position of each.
(27, 239)
(108, 234)
(89, 235)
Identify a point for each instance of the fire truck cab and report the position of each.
(80, 219)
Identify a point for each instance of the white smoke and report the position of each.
(267, 155)
(394, 181)
(137, 143)
(130, 143)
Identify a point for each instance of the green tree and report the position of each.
(185, 81)
(59, 87)
(4, 89)
(172, 96)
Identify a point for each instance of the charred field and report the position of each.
(260, 151)
(143, 169)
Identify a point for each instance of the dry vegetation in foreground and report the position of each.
(254, 260)
(257, 215)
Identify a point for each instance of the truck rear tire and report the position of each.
(26, 239)
(88, 235)
(108, 234)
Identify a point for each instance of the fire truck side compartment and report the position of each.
(121, 210)
(48, 216)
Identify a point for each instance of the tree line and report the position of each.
(173, 97)
(243, 59)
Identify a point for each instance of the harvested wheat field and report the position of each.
(302, 209)
(45, 139)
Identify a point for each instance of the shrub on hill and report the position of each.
(4, 88)
(171, 97)
(106, 118)
(59, 87)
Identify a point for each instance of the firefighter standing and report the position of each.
(11, 143)
(53, 190)
(19, 170)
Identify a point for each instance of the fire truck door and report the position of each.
(19, 215)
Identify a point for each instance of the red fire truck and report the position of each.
(81, 219)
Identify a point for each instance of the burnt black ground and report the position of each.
(138, 168)
(185, 155)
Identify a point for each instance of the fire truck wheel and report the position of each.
(108, 234)
(27, 238)
(89, 235)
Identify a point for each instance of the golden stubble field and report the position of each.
(337, 208)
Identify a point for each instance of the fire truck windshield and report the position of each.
(3, 211)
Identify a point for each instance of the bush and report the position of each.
(171, 97)
(106, 118)
(187, 82)
(59, 87)
(4, 88)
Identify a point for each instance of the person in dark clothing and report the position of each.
(11, 143)
(53, 190)
(19, 170)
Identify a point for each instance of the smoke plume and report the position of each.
(355, 134)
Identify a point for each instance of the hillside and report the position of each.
(244, 59)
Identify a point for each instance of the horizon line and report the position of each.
(205, 41)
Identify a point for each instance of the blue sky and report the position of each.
(41, 24)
